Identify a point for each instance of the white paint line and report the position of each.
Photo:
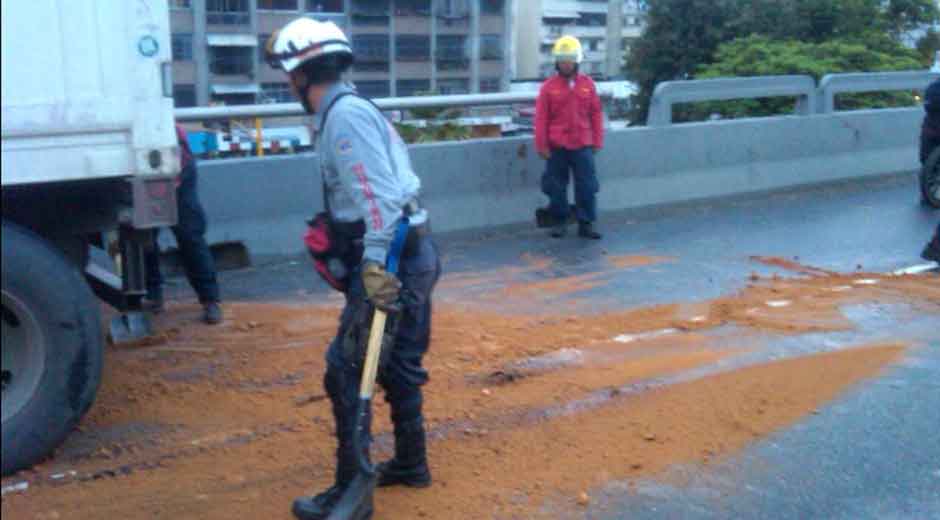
(841, 288)
(15, 488)
(778, 303)
(866, 281)
(916, 269)
(629, 338)
(698, 319)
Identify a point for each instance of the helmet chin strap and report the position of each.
(305, 99)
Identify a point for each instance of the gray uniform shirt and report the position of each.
(366, 169)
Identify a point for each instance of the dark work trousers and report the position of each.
(400, 371)
(190, 232)
(555, 183)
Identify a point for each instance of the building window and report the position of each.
(325, 6)
(453, 86)
(412, 87)
(184, 96)
(491, 47)
(180, 4)
(492, 7)
(413, 7)
(594, 44)
(182, 46)
(276, 93)
(413, 47)
(453, 12)
(234, 99)
(227, 12)
(367, 12)
(593, 20)
(262, 47)
(278, 5)
(373, 89)
(232, 61)
(371, 51)
(490, 85)
(452, 52)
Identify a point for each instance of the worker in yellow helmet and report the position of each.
(569, 130)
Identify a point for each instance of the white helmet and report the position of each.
(302, 40)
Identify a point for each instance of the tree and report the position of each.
(928, 46)
(763, 56)
(683, 35)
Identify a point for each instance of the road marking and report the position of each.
(629, 338)
(22, 486)
(916, 269)
(778, 303)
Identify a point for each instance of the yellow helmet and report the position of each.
(567, 48)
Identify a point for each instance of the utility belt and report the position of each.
(337, 247)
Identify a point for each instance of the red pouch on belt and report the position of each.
(327, 250)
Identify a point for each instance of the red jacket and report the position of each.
(567, 117)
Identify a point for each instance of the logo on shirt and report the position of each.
(344, 147)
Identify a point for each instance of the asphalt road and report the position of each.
(874, 453)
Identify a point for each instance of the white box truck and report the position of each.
(88, 151)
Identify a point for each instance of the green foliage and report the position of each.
(435, 132)
(759, 55)
(434, 113)
(682, 37)
(928, 46)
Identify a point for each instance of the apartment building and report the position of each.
(605, 38)
(401, 46)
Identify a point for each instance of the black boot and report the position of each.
(586, 230)
(320, 506)
(932, 250)
(409, 466)
(559, 230)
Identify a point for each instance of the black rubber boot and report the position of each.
(211, 313)
(586, 230)
(559, 230)
(932, 250)
(320, 506)
(409, 466)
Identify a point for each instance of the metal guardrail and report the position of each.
(397, 103)
(669, 93)
(832, 84)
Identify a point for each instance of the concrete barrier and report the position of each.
(477, 184)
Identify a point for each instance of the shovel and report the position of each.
(355, 504)
(129, 327)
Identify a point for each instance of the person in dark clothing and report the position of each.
(930, 129)
(929, 141)
(370, 197)
(190, 232)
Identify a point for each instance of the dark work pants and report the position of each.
(400, 373)
(555, 183)
(190, 232)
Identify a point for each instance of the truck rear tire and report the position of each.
(930, 179)
(52, 348)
